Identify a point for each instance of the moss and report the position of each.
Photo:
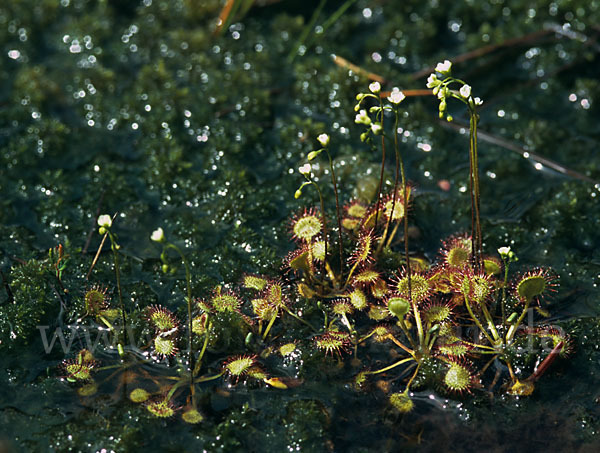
(34, 303)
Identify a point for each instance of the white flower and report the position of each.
(362, 118)
(105, 221)
(396, 96)
(375, 87)
(504, 251)
(158, 235)
(323, 140)
(305, 169)
(432, 81)
(376, 128)
(465, 91)
(478, 101)
(444, 67)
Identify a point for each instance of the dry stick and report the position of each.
(409, 93)
(96, 257)
(526, 39)
(523, 151)
(342, 62)
(591, 42)
(546, 363)
(224, 16)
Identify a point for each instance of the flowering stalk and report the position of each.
(507, 256)
(105, 223)
(443, 92)
(305, 170)
(159, 236)
(375, 88)
(324, 141)
(203, 350)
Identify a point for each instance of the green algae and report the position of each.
(210, 159)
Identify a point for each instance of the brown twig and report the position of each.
(409, 93)
(522, 150)
(96, 257)
(224, 15)
(541, 369)
(521, 40)
(342, 62)
(99, 250)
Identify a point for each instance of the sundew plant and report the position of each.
(457, 324)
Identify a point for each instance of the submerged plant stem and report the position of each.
(295, 316)
(394, 365)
